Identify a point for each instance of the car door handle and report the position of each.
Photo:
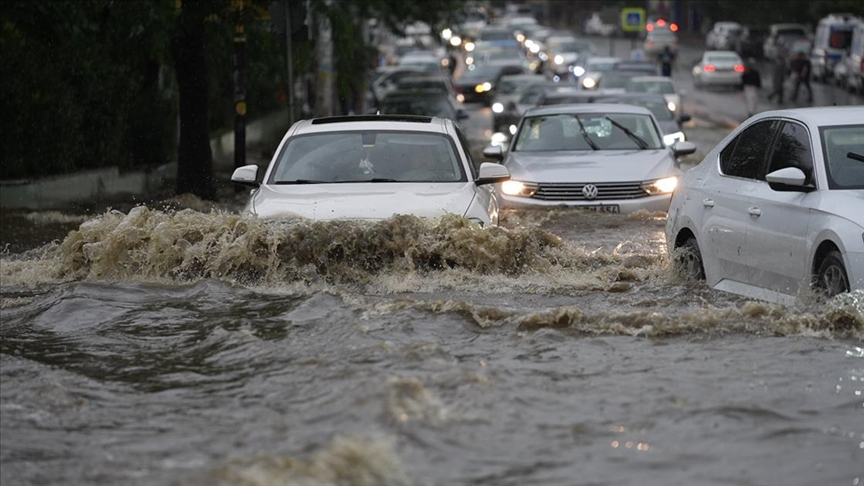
(754, 211)
(708, 203)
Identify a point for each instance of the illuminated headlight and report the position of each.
(460, 98)
(455, 41)
(529, 43)
(446, 34)
(671, 138)
(672, 106)
(589, 83)
(543, 56)
(497, 107)
(520, 38)
(445, 62)
(661, 186)
(516, 188)
(469, 60)
(469, 46)
(497, 139)
(559, 59)
(578, 71)
(512, 129)
(534, 48)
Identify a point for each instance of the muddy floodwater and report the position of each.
(189, 347)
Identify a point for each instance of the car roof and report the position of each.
(821, 116)
(593, 108)
(413, 123)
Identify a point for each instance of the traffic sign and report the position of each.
(632, 19)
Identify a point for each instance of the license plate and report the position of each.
(608, 208)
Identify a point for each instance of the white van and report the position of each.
(849, 72)
(833, 39)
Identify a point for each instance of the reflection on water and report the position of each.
(181, 347)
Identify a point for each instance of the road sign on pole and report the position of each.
(633, 19)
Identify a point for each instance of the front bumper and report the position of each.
(659, 202)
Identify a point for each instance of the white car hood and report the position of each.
(363, 200)
(591, 166)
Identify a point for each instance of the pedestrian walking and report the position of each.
(752, 82)
(800, 68)
(778, 77)
(666, 58)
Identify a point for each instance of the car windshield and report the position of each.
(594, 131)
(657, 87)
(512, 86)
(615, 79)
(840, 145)
(368, 156)
(722, 58)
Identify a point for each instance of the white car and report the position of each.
(718, 68)
(598, 156)
(722, 35)
(658, 85)
(776, 206)
(373, 167)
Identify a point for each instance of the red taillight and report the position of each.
(673, 27)
(661, 22)
(649, 27)
(709, 68)
(650, 43)
(739, 68)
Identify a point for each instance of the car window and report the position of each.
(745, 154)
(838, 142)
(361, 156)
(792, 149)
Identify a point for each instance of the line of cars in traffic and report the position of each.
(777, 205)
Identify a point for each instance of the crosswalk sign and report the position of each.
(633, 19)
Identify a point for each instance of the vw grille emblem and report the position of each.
(589, 191)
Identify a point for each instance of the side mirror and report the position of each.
(494, 152)
(684, 118)
(788, 179)
(683, 148)
(246, 176)
(491, 173)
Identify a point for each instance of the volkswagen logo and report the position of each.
(589, 191)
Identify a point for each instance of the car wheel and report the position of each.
(688, 260)
(831, 276)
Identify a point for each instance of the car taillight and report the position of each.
(673, 27)
(739, 68)
(709, 68)
(661, 22)
(649, 27)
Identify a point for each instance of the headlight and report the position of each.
(589, 83)
(455, 41)
(578, 71)
(671, 138)
(497, 107)
(559, 59)
(446, 34)
(671, 105)
(469, 46)
(469, 60)
(460, 98)
(661, 186)
(516, 188)
(497, 139)
(512, 129)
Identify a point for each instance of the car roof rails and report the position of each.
(362, 118)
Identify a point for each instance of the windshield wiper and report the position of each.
(302, 181)
(585, 135)
(641, 143)
(854, 156)
(377, 179)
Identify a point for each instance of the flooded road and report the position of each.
(160, 347)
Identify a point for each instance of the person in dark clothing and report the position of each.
(752, 81)
(666, 58)
(800, 68)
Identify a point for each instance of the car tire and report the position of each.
(688, 260)
(831, 277)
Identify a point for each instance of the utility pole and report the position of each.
(290, 87)
(239, 89)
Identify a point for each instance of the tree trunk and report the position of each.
(194, 158)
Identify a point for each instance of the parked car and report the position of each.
(603, 157)
(780, 34)
(776, 206)
(373, 167)
(718, 68)
(833, 39)
(722, 36)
